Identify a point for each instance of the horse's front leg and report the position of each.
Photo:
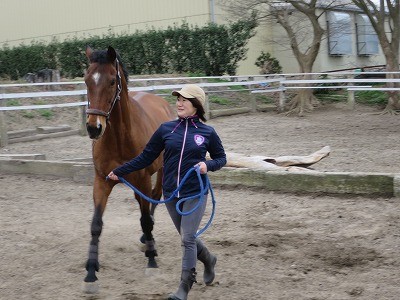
(101, 191)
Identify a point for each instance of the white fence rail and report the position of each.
(82, 93)
(277, 83)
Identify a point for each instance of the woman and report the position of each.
(185, 142)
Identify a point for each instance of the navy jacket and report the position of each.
(185, 143)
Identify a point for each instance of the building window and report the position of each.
(367, 39)
(339, 33)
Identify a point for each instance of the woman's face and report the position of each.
(184, 107)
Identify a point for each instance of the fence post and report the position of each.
(350, 99)
(82, 117)
(207, 109)
(253, 99)
(207, 112)
(282, 99)
(3, 126)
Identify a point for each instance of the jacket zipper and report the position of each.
(181, 157)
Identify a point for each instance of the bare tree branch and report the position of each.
(387, 13)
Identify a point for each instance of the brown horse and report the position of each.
(120, 124)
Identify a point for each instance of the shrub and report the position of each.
(13, 102)
(210, 50)
(268, 64)
(372, 97)
(219, 100)
(46, 113)
(28, 114)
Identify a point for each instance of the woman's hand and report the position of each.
(112, 176)
(202, 166)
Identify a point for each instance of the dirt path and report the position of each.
(360, 140)
(269, 245)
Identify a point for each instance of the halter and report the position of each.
(98, 112)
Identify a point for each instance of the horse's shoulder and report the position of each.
(152, 106)
(148, 100)
(138, 96)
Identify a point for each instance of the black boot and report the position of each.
(188, 277)
(209, 262)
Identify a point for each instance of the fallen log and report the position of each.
(284, 163)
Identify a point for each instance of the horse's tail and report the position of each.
(156, 192)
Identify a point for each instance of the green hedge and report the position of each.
(212, 50)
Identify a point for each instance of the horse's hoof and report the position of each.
(152, 264)
(152, 271)
(90, 287)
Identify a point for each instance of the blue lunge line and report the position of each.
(200, 196)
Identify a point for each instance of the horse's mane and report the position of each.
(100, 56)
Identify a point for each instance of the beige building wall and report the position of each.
(255, 46)
(41, 20)
(24, 20)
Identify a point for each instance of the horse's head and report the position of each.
(103, 82)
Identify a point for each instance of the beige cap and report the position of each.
(192, 91)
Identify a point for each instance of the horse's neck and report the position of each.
(123, 126)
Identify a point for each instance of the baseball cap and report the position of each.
(192, 91)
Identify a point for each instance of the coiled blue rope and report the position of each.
(200, 196)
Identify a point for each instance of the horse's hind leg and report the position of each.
(157, 190)
(101, 191)
(156, 194)
(147, 223)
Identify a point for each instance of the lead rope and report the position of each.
(200, 196)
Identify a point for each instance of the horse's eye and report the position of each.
(112, 82)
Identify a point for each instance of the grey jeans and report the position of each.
(187, 227)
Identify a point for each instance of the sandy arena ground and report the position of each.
(269, 245)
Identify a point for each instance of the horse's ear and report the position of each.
(88, 51)
(111, 54)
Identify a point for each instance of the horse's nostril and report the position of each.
(94, 132)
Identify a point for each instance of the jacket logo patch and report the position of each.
(198, 139)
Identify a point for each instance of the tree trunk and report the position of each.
(385, 18)
(304, 101)
(393, 100)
